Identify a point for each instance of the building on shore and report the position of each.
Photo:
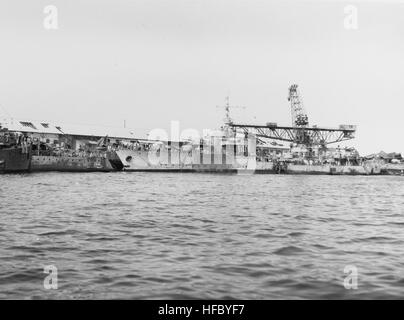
(71, 136)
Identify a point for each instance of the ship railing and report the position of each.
(72, 154)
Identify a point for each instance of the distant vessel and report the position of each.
(50, 149)
(15, 157)
(393, 169)
(45, 158)
(14, 160)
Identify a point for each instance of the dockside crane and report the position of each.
(300, 119)
(299, 115)
(300, 132)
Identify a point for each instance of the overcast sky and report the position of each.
(153, 61)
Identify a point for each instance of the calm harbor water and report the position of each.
(163, 235)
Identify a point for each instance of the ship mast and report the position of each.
(228, 121)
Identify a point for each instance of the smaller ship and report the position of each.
(88, 158)
(15, 152)
(393, 169)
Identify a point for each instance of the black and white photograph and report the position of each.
(214, 151)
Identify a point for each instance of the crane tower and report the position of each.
(299, 115)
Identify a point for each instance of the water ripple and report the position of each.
(189, 236)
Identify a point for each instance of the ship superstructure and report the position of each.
(212, 153)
